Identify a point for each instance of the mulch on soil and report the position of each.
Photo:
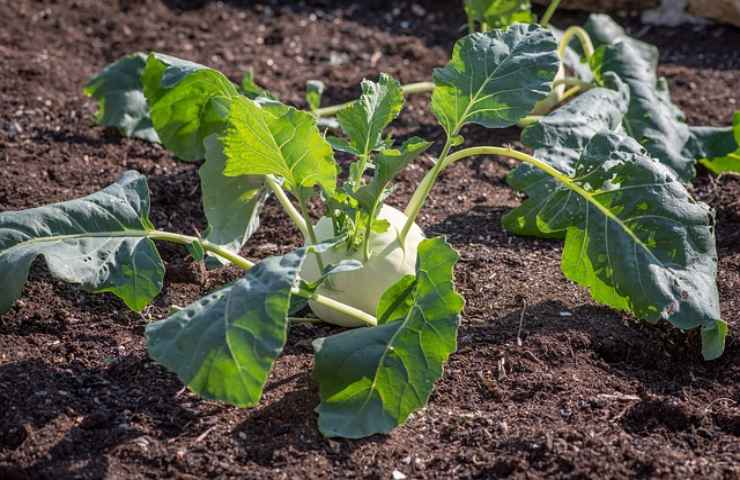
(588, 393)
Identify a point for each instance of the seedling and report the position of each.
(633, 234)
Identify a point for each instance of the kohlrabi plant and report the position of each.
(605, 172)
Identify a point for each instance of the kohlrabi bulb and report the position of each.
(362, 288)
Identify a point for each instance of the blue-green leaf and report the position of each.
(99, 242)
(719, 148)
(371, 379)
(120, 96)
(634, 235)
(223, 346)
(232, 205)
(494, 79)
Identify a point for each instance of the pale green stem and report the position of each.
(524, 122)
(311, 231)
(362, 318)
(422, 191)
(549, 12)
(282, 197)
(583, 37)
(368, 232)
(571, 82)
(419, 87)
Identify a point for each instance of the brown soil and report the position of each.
(588, 393)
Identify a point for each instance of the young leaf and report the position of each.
(250, 89)
(188, 102)
(232, 205)
(364, 120)
(559, 139)
(280, 141)
(719, 148)
(120, 96)
(223, 345)
(495, 78)
(371, 379)
(99, 241)
(388, 164)
(314, 91)
(633, 235)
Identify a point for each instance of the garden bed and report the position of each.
(585, 393)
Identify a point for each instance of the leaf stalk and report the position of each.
(418, 87)
(285, 202)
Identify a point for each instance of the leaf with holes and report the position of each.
(634, 236)
(100, 242)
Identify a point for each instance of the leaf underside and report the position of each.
(371, 379)
(223, 346)
(99, 242)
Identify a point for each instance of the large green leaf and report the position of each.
(120, 96)
(232, 205)
(188, 102)
(651, 119)
(719, 148)
(278, 140)
(371, 379)
(388, 164)
(223, 345)
(364, 120)
(99, 241)
(605, 31)
(559, 139)
(495, 78)
(500, 13)
(635, 237)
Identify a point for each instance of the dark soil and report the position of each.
(588, 393)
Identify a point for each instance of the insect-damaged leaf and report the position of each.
(371, 379)
(232, 205)
(187, 101)
(223, 345)
(278, 140)
(120, 96)
(634, 236)
(364, 120)
(559, 139)
(495, 78)
(99, 241)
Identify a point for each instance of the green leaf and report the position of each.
(495, 78)
(713, 340)
(223, 346)
(232, 205)
(278, 141)
(250, 89)
(99, 242)
(559, 139)
(719, 148)
(314, 91)
(388, 164)
(364, 120)
(188, 102)
(605, 31)
(120, 96)
(500, 13)
(371, 379)
(634, 235)
(651, 119)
